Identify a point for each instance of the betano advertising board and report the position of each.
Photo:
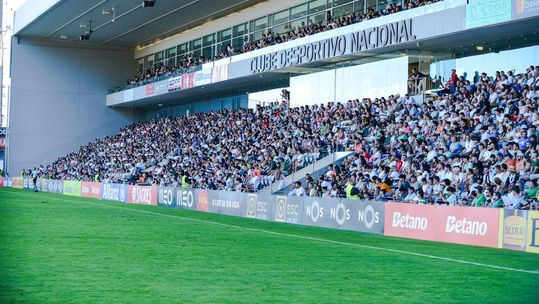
(461, 225)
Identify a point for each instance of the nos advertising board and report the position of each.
(115, 192)
(90, 189)
(356, 215)
(72, 188)
(142, 195)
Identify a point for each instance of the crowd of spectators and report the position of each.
(476, 144)
(188, 62)
(238, 150)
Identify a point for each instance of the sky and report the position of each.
(9, 6)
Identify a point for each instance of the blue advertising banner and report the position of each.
(115, 192)
(177, 197)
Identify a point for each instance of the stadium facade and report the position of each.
(69, 58)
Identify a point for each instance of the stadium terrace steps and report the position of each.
(300, 175)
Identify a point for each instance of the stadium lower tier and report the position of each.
(488, 227)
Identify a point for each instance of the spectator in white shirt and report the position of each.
(297, 190)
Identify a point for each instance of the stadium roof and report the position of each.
(133, 24)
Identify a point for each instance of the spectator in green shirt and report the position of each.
(480, 199)
(497, 201)
(531, 194)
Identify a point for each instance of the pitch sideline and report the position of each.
(536, 272)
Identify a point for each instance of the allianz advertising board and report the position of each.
(356, 215)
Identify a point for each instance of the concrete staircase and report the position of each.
(300, 174)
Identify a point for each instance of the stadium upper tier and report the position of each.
(192, 58)
(475, 143)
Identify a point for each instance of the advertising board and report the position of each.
(532, 245)
(114, 192)
(365, 216)
(227, 202)
(514, 227)
(462, 225)
(72, 188)
(288, 209)
(142, 195)
(53, 186)
(175, 83)
(177, 197)
(260, 206)
(90, 189)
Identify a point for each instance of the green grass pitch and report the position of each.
(58, 249)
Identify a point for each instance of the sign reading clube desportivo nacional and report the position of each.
(360, 41)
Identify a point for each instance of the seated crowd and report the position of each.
(188, 62)
(475, 144)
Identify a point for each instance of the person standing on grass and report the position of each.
(34, 179)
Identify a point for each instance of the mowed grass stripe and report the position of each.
(67, 250)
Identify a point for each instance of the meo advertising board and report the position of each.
(142, 195)
(89, 189)
(177, 197)
(462, 225)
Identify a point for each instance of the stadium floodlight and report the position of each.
(148, 3)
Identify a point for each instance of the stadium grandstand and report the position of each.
(408, 118)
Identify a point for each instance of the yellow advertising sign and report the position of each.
(532, 245)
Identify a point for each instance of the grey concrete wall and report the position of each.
(58, 95)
